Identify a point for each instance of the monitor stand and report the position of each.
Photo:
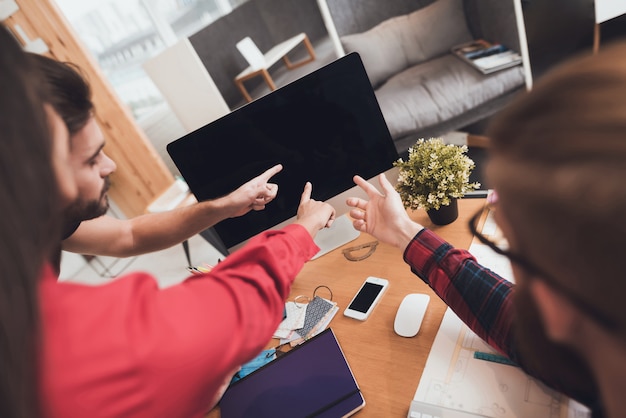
(341, 232)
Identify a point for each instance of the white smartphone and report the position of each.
(363, 303)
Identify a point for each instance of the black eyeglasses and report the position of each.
(600, 317)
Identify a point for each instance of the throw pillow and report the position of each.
(404, 41)
(380, 49)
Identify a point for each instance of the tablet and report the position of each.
(312, 380)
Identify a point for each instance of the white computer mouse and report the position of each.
(410, 314)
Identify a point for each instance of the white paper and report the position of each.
(454, 379)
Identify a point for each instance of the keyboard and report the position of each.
(426, 410)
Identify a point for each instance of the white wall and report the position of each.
(609, 9)
(187, 86)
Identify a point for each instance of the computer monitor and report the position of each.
(324, 128)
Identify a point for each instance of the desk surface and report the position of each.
(386, 366)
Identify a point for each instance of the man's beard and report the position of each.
(81, 210)
(555, 363)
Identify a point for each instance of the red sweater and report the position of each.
(130, 349)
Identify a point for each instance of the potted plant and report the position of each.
(434, 176)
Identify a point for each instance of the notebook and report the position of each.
(312, 380)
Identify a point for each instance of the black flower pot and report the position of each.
(445, 214)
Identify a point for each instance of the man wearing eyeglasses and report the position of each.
(558, 163)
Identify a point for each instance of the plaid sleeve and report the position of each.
(481, 298)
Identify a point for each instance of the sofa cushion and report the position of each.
(438, 90)
(404, 41)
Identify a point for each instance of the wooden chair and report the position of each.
(260, 63)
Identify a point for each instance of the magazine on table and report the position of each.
(487, 57)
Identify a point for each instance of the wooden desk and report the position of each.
(386, 366)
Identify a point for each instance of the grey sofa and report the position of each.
(423, 90)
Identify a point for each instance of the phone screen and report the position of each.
(365, 297)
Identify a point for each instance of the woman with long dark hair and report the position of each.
(30, 205)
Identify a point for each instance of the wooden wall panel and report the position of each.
(141, 174)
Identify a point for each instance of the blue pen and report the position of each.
(495, 358)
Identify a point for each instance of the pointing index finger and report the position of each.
(306, 193)
(271, 172)
(369, 189)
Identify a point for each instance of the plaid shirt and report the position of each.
(481, 298)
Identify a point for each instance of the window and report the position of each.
(122, 34)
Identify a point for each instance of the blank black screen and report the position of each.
(313, 377)
(365, 297)
(323, 128)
